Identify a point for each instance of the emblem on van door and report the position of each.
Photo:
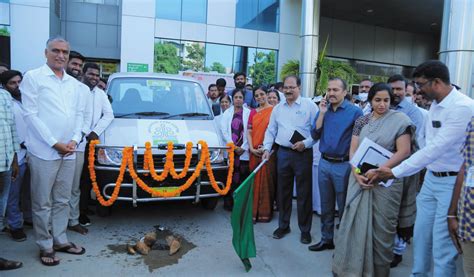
(163, 131)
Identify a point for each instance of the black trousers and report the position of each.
(85, 184)
(293, 165)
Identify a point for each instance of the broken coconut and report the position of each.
(174, 244)
(150, 239)
(142, 248)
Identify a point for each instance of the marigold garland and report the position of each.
(127, 160)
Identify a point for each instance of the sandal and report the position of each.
(79, 229)
(8, 265)
(67, 249)
(51, 255)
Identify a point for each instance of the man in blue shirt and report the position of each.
(333, 128)
(400, 103)
(240, 79)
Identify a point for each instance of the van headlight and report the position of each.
(109, 156)
(216, 156)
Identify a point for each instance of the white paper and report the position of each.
(372, 153)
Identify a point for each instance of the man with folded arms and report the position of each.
(333, 128)
(54, 116)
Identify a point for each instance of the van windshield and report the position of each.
(143, 97)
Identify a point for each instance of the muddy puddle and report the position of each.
(156, 258)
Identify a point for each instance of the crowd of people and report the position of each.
(49, 115)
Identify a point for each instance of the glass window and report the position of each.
(219, 58)
(194, 11)
(167, 57)
(262, 15)
(193, 55)
(185, 10)
(167, 96)
(263, 67)
(168, 9)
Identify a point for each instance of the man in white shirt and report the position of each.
(290, 127)
(449, 116)
(98, 116)
(54, 117)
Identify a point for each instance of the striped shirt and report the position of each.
(466, 202)
(8, 134)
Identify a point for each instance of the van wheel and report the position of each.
(209, 203)
(103, 211)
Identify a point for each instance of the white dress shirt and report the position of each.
(422, 137)
(286, 119)
(442, 151)
(226, 128)
(20, 129)
(53, 111)
(98, 114)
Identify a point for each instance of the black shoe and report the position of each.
(280, 233)
(84, 220)
(305, 238)
(18, 234)
(9, 265)
(320, 246)
(396, 260)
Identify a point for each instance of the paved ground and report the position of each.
(208, 231)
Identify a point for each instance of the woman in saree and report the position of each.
(234, 129)
(366, 234)
(263, 186)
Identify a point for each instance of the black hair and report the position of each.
(90, 65)
(210, 86)
(103, 80)
(298, 80)
(380, 87)
(240, 74)
(237, 90)
(4, 65)
(263, 88)
(344, 84)
(278, 86)
(76, 55)
(7, 75)
(221, 82)
(225, 96)
(276, 93)
(397, 77)
(366, 79)
(433, 69)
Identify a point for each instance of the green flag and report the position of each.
(242, 226)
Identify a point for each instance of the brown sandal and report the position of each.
(51, 255)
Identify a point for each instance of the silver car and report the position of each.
(159, 108)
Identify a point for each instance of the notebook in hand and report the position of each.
(296, 137)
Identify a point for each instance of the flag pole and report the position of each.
(262, 163)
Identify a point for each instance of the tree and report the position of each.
(218, 67)
(263, 70)
(195, 57)
(4, 32)
(166, 58)
(291, 67)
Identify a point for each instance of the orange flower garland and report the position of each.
(127, 160)
(127, 151)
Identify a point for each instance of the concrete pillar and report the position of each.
(29, 33)
(457, 42)
(309, 41)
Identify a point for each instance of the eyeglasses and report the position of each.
(420, 85)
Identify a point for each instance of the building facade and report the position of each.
(225, 36)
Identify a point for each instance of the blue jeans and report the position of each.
(14, 214)
(333, 180)
(5, 183)
(431, 236)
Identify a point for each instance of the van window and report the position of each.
(171, 97)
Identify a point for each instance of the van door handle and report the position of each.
(164, 146)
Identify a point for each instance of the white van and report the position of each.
(158, 108)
